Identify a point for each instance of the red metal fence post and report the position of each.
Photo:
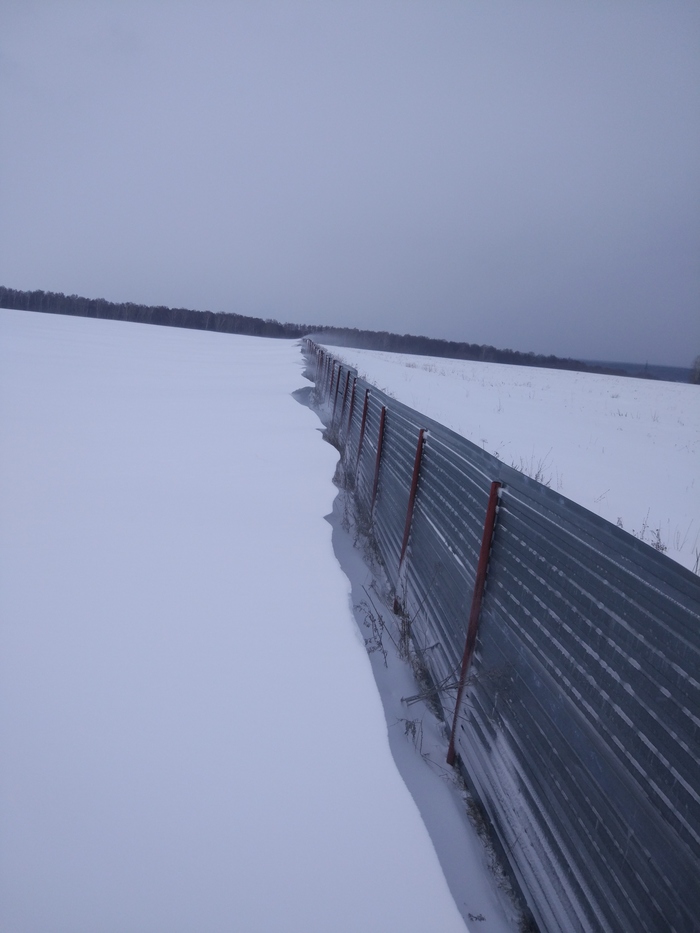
(412, 494)
(328, 378)
(345, 398)
(363, 424)
(380, 439)
(324, 374)
(337, 386)
(352, 406)
(345, 392)
(479, 582)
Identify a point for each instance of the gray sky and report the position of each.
(524, 174)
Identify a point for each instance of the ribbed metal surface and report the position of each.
(580, 723)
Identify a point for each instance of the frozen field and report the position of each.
(627, 449)
(192, 737)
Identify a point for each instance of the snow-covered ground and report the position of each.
(192, 737)
(627, 449)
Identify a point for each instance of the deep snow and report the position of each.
(192, 737)
(627, 449)
(419, 740)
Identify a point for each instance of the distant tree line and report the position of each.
(58, 303)
(227, 323)
(431, 346)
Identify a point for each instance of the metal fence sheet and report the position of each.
(580, 723)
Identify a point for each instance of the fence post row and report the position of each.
(566, 604)
(479, 581)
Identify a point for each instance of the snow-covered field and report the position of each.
(627, 449)
(192, 737)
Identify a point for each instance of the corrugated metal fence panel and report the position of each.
(398, 454)
(368, 454)
(606, 728)
(443, 553)
(580, 723)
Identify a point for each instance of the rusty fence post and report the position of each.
(479, 581)
(345, 398)
(363, 424)
(337, 387)
(412, 494)
(342, 407)
(330, 370)
(380, 440)
(324, 375)
(351, 408)
(329, 378)
(326, 372)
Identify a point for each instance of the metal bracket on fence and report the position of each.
(412, 494)
(363, 424)
(380, 439)
(479, 582)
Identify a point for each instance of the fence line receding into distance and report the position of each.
(576, 700)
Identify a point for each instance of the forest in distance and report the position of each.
(231, 323)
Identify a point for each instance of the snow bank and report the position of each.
(191, 735)
(627, 449)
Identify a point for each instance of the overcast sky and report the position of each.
(523, 174)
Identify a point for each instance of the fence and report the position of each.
(569, 674)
